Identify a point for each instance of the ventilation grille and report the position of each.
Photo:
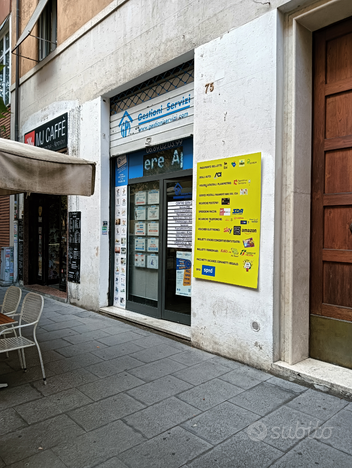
(156, 86)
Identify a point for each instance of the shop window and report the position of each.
(47, 29)
(5, 72)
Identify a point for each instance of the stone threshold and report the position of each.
(171, 328)
(321, 375)
(43, 291)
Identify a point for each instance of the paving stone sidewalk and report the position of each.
(120, 396)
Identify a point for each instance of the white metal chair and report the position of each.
(31, 311)
(10, 305)
(11, 300)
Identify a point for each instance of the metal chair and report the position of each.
(31, 311)
(11, 300)
(10, 305)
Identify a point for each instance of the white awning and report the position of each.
(26, 168)
(4, 23)
(31, 23)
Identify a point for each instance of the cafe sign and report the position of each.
(51, 136)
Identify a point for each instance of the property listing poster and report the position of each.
(120, 246)
(184, 274)
(228, 220)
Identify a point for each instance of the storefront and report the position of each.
(253, 91)
(152, 209)
(48, 240)
(45, 217)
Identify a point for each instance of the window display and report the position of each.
(153, 231)
(143, 229)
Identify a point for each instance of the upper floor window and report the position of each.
(5, 72)
(47, 29)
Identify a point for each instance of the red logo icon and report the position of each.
(29, 139)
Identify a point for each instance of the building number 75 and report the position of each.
(210, 87)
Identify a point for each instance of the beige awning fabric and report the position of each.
(25, 168)
(31, 23)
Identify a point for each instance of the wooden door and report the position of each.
(331, 234)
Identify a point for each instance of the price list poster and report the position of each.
(228, 220)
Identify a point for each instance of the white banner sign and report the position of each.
(164, 118)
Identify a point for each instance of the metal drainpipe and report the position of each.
(17, 84)
(17, 71)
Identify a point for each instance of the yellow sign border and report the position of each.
(227, 232)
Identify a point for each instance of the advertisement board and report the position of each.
(74, 247)
(52, 135)
(227, 231)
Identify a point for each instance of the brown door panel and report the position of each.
(331, 236)
(337, 223)
(337, 284)
(338, 170)
(338, 57)
(335, 312)
(338, 116)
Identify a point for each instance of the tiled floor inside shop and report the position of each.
(51, 290)
(121, 396)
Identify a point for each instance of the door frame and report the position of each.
(295, 202)
(33, 204)
(33, 251)
(166, 314)
(155, 312)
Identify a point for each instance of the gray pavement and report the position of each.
(120, 396)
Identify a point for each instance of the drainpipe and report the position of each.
(17, 71)
(17, 106)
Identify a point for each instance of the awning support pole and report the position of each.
(41, 39)
(23, 56)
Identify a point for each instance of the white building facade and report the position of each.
(258, 59)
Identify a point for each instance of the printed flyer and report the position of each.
(153, 197)
(153, 261)
(183, 274)
(140, 213)
(139, 244)
(153, 228)
(139, 229)
(228, 220)
(153, 244)
(120, 246)
(121, 172)
(153, 212)
(139, 260)
(140, 198)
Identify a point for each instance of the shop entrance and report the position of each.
(160, 247)
(331, 233)
(48, 240)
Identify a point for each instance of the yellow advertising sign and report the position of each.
(228, 220)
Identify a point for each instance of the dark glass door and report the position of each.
(178, 258)
(48, 240)
(160, 248)
(52, 217)
(144, 248)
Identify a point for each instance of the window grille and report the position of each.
(156, 86)
(5, 72)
